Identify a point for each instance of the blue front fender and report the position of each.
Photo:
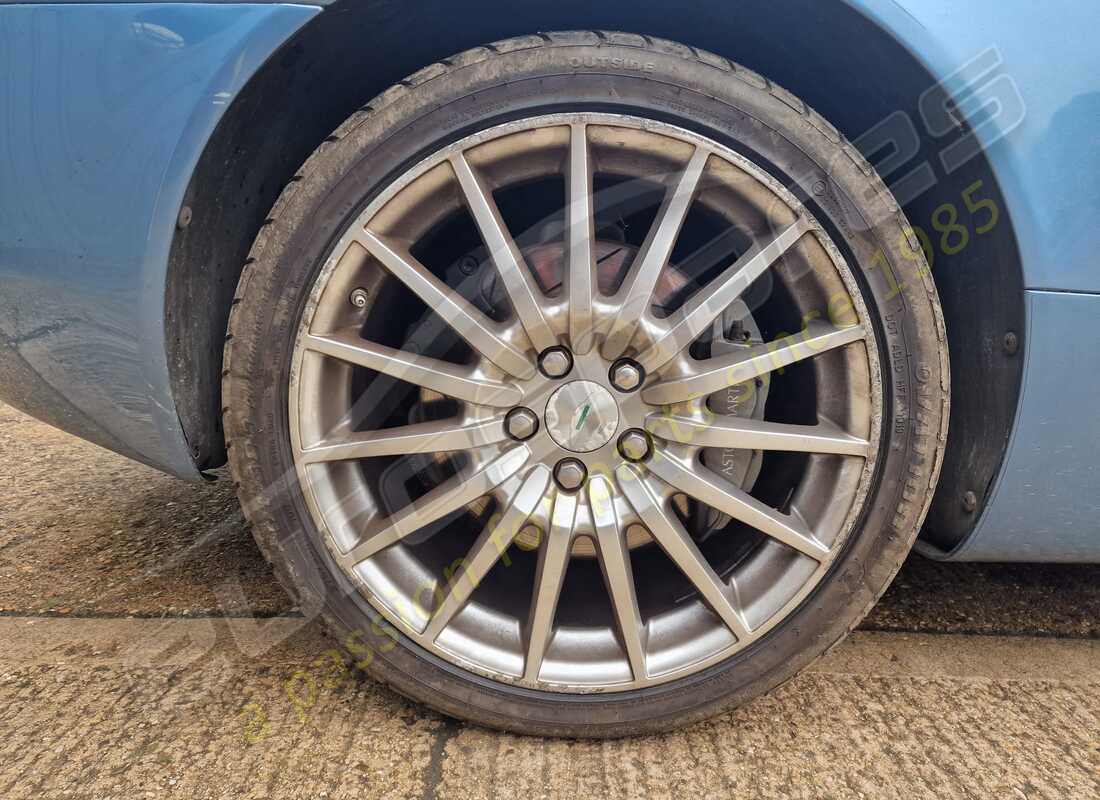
(105, 110)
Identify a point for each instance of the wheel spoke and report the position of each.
(514, 274)
(615, 562)
(448, 497)
(549, 577)
(723, 496)
(450, 380)
(681, 548)
(723, 372)
(753, 434)
(426, 437)
(636, 293)
(580, 273)
(478, 330)
(488, 549)
(688, 322)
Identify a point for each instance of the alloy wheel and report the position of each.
(587, 486)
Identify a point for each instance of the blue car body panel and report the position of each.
(1043, 504)
(105, 110)
(1046, 503)
(1048, 164)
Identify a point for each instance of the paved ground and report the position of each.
(120, 675)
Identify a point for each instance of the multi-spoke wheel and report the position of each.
(587, 408)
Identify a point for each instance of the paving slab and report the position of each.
(163, 708)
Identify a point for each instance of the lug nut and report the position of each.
(626, 375)
(556, 362)
(521, 424)
(634, 445)
(530, 538)
(570, 474)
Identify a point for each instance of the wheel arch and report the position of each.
(353, 51)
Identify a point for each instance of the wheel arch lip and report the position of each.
(258, 34)
(1046, 172)
(897, 20)
(82, 307)
(940, 43)
(155, 434)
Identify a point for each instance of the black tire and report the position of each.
(598, 71)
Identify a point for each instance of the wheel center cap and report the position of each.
(582, 416)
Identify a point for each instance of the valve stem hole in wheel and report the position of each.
(609, 409)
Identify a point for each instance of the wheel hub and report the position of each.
(582, 416)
